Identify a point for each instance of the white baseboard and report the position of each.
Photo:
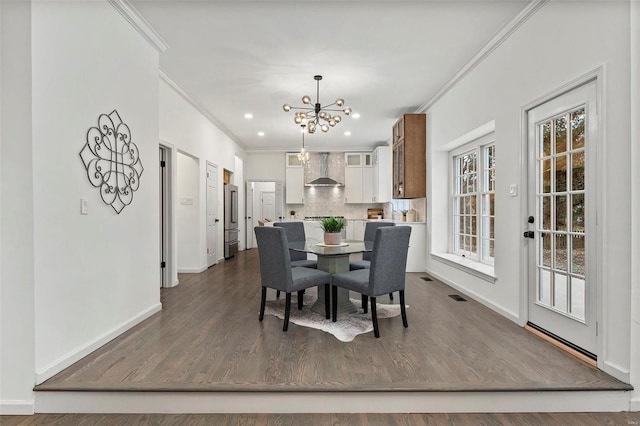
(191, 270)
(80, 352)
(331, 402)
(616, 371)
(480, 299)
(634, 404)
(16, 407)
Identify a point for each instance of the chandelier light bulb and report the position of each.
(298, 119)
(347, 110)
(337, 118)
(306, 99)
(339, 101)
(324, 128)
(286, 107)
(332, 122)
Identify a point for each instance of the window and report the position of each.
(473, 199)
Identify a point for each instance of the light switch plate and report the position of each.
(513, 190)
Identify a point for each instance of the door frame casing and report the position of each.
(597, 76)
(172, 240)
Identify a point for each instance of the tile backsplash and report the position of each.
(329, 201)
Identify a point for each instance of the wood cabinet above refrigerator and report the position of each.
(409, 156)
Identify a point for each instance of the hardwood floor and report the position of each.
(499, 419)
(208, 338)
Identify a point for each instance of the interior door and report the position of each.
(562, 228)
(163, 216)
(268, 205)
(249, 217)
(212, 214)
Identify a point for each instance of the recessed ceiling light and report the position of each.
(356, 115)
(260, 133)
(347, 133)
(248, 116)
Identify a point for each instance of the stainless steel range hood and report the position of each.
(324, 179)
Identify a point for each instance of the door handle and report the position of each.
(217, 220)
(529, 234)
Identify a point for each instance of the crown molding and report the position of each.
(202, 110)
(498, 38)
(140, 24)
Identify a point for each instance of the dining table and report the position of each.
(333, 259)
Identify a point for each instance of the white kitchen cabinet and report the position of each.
(417, 256)
(294, 180)
(382, 175)
(358, 177)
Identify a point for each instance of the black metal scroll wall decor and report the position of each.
(112, 161)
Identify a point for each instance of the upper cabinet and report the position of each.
(382, 174)
(294, 183)
(358, 177)
(409, 156)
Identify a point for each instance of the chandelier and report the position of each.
(316, 112)
(303, 155)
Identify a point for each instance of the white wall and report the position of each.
(187, 215)
(185, 128)
(635, 207)
(98, 274)
(528, 65)
(17, 341)
(262, 165)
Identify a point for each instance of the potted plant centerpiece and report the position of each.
(293, 214)
(332, 226)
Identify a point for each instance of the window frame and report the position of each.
(483, 188)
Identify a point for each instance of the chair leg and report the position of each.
(334, 302)
(327, 307)
(391, 296)
(374, 317)
(365, 303)
(300, 293)
(287, 311)
(277, 294)
(403, 310)
(263, 300)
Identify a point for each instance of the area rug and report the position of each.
(345, 329)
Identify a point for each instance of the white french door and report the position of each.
(562, 143)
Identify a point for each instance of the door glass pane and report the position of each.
(546, 213)
(578, 297)
(560, 292)
(545, 245)
(577, 255)
(561, 135)
(546, 139)
(561, 252)
(577, 129)
(546, 176)
(561, 173)
(491, 227)
(544, 287)
(561, 213)
(577, 171)
(577, 212)
(491, 248)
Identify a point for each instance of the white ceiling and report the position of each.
(385, 58)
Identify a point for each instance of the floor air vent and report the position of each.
(457, 298)
(426, 278)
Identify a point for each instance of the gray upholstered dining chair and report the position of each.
(295, 232)
(386, 275)
(276, 271)
(369, 234)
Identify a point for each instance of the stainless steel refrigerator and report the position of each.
(230, 220)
